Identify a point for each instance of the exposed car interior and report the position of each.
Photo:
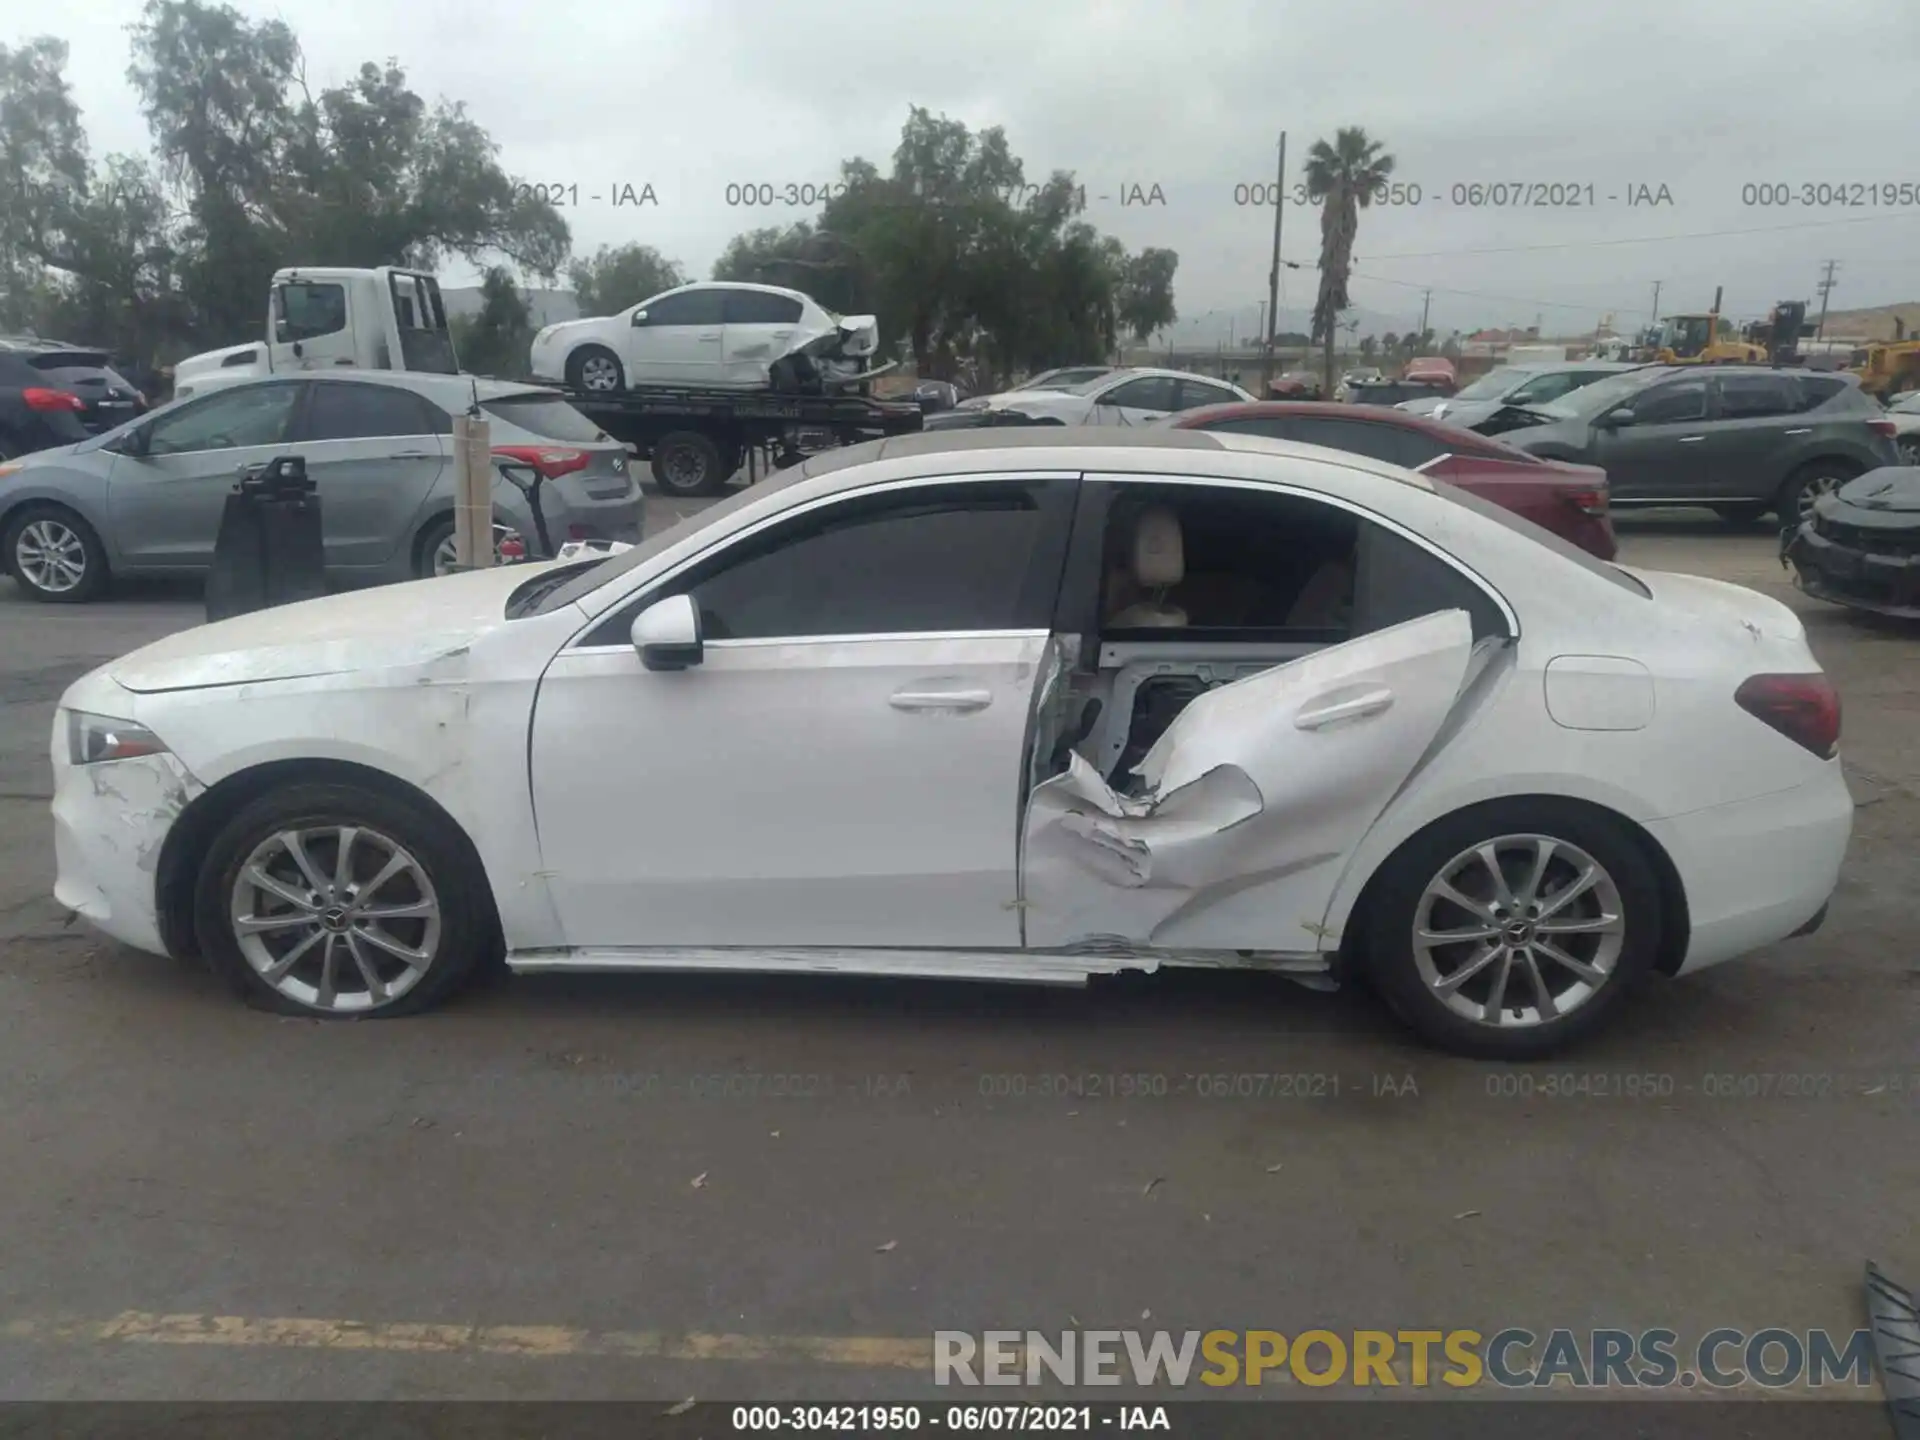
(1200, 587)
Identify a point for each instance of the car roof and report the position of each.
(734, 285)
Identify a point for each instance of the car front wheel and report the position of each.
(1805, 487)
(336, 901)
(596, 368)
(1512, 929)
(54, 554)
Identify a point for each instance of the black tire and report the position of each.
(93, 555)
(598, 356)
(1388, 956)
(1741, 514)
(467, 927)
(688, 463)
(1806, 484)
(432, 536)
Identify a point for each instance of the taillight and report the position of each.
(38, 398)
(1590, 502)
(1804, 708)
(551, 461)
(1883, 427)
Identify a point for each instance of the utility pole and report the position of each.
(1656, 302)
(1826, 289)
(1273, 275)
(1426, 299)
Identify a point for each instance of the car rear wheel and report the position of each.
(1512, 929)
(596, 368)
(54, 555)
(334, 901)
(1805, 487)
(688, 463)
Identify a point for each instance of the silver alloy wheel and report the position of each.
(1812, 490)
(446, 555)
(1518, 931)
(600, 372)
(51, 555)
(337, 918)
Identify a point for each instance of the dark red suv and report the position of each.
(1569, 500)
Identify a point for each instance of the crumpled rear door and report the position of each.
(1254, 797)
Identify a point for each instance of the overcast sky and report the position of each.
(1703, 97)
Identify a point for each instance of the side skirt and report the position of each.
(1073, 966)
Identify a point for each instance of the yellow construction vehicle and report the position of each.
(1696, 340)
(1886, 370)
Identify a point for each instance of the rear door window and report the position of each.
(1751, 397)
(757, 307)
(343, 410)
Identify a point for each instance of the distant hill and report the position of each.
(1875, 323)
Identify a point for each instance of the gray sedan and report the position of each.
(146, 498)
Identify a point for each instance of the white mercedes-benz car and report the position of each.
(1020, 704)
(708, 334)
(1136, 396)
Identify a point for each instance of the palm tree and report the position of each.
(1343, 177)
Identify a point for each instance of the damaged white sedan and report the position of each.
(1027, 705)
(730, 335)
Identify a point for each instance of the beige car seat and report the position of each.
(1159, 562)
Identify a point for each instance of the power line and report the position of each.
(1644, 239)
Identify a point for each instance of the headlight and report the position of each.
(92, 739)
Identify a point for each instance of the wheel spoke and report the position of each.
(375, 990)
(412, 910)
(1563, 898)
(324, 997)
(1490, 858)
(1548, 950)
(1455, 937)
(1452, 896)
(1467, 971)
(414, 958)
(343, 859)
(1542, 996)
(258, 877)
(280, 968)
(1497, 992)
(1543, 852)
(296, 846)
(396, 862)
(1598, 925)
(263, 924)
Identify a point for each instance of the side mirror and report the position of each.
(1614, 420)
(667, 634)
(639, 318)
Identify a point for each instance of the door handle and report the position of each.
(1803, 430)
(412, 455)
(1371, 702)
(1691, 439)
(961, 700)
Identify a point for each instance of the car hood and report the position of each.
(378, 628)
(1421, 407)
(1889, 491)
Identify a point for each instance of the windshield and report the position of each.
(1592, 399)
(1493, 384)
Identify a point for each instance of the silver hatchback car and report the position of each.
(146, 498)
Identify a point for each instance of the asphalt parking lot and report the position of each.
(604, 1187)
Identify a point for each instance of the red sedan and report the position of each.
(1569, 500)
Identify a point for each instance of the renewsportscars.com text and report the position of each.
(1460, 1359)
